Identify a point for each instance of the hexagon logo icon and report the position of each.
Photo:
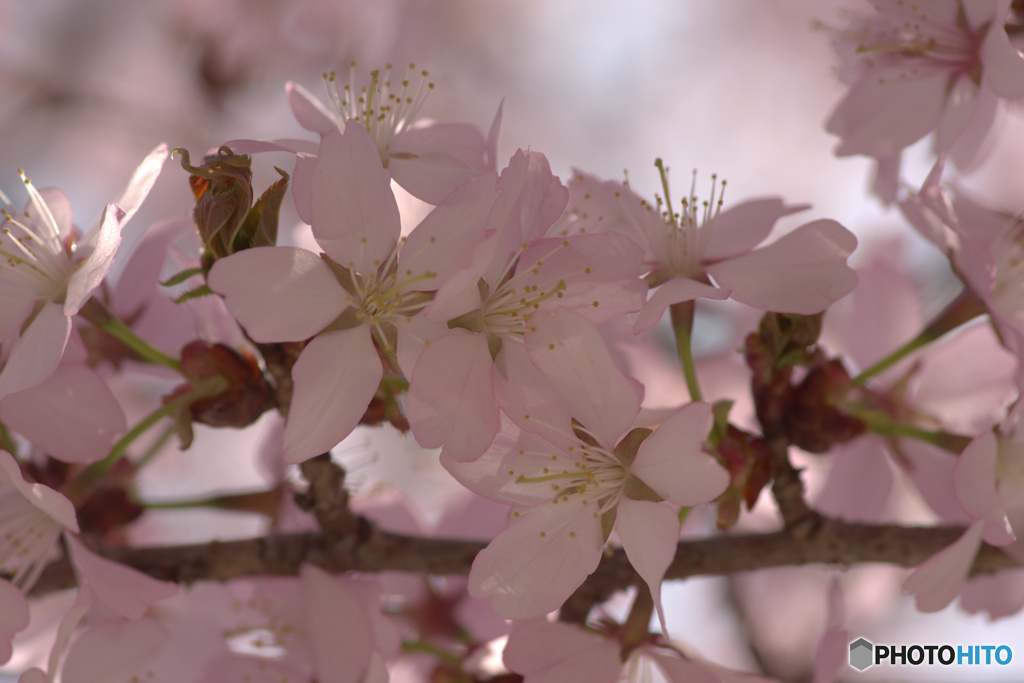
(861, 651)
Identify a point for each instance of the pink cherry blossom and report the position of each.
(512, 273)
(802, 272)
(948, 61)
(984, 248)
(360, 302)
(50, 271)
(429, 160)
(573, 472)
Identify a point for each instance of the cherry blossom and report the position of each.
(358, 299)
(429, 160)
(50, 270)
(456, 384)
(802, 272)
(576, 469)
(947, 61)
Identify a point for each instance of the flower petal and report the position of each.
(941, 577)
(974, 479)
(336, 623)
(1004, 64)
(673, 292)
(13, 617)
(114, 650)
(450, 401)
(308, 110)
(37, 352)
(335, 377)
(72, 416)
(572, 354)
(803, 272)
(553, 652)
(532, 567)
(48, 501)
(279, 294)
(126, 591)
(649, 533)
(742, 227)
(355, 215)
(672, 462)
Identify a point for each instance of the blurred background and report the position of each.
(740, 89)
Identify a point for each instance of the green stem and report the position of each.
(431, 649)
(78, 488)
(682, 326)
(100, 316)
(964, 308)
(880, 423)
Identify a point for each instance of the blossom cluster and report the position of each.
(506, 334)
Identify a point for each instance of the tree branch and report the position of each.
(834, 542)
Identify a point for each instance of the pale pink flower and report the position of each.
(363, 300)
(578, 469)
(49, 271)
(513, 273)
(947, 61)
(801, 272)
(429, 160)
(985, 248)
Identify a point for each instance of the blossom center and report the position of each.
(582, 470)
(384, 109)
(32, 254)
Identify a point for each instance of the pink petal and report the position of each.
(552, 652)
(72, 416)
(302, 186)
(523, 390)
(859, 484)
(444, 241)
(337, 627)
(941, 577)
(114, 651)
(141, 182)
(649, 533)
(803, 272)
(450, 401)
(872, 118)
(335, 377)
(974, 478)
(126, 591)
(432, 161)
(279, 294)
(37, 352)
(572, 354)
(51, 503)
(90, 272)
(961, 102)
(13, 616)
(355, 215)
(493, 133)
(308, 110)
(671, 460)
(13, 311)
(532, 567)
(34, 675)
(1004, 65)
(672, 292)
(532, 200)
(742, 227)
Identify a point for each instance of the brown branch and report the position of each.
(835, 543)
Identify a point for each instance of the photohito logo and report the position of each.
(864, 654)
